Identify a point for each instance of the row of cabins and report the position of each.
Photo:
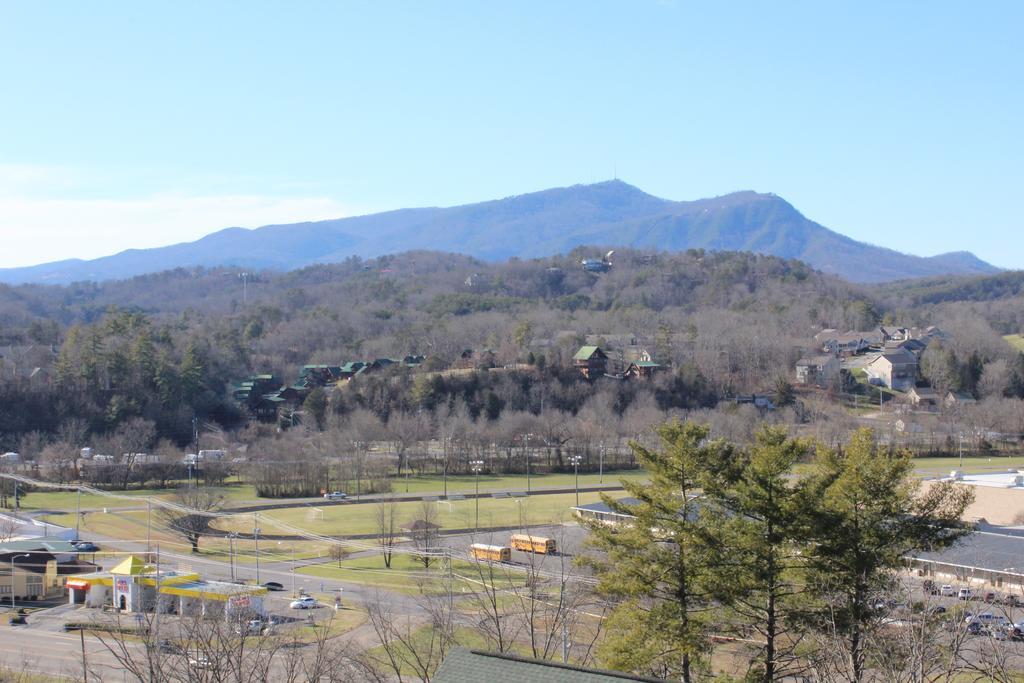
(833, 342)
(592, 362)
(264, 394)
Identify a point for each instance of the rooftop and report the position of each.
(994, 551)
(1011, 479)
(586, 352)
(470, 666)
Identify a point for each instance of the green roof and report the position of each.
(647, 364)
(586, 352)
(49, 544)
(471, 666)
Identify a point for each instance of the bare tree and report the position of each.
(387, 528)
(192, 525)
(424, 531)
(410, 642)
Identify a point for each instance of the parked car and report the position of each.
(273, 586)
(990, 597)
(85, 546)
(169, 647)
(304, 603)
(199, 662)
(966, 594)
(1013, 600)
(252, 627)
(987, 619)
(1015, 631)
(335, 495)
(947, 590)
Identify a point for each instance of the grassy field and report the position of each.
(406, 575)
(68, 500)
(1016, 341)
(344, 520)
(235, 494)
(516, 482)
(972, 464)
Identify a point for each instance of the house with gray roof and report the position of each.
(817, 370)
(894, 368)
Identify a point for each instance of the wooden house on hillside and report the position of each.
(591, 361)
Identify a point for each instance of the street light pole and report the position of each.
(476, 466)
(601, 465)
(293, 570)
(78, 513)
(526, 437)
(13, 558)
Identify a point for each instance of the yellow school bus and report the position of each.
(533, 544)
(490, 553)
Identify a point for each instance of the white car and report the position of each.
(947, 591)
(304, 603)
(335, 495)
(965, 594)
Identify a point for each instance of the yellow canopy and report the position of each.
(131, 566)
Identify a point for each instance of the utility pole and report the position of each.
(85, 667)
(78, 514)
(149, 523)
(231, 553)
(256, 540)
(293, 570)
(448, 554)
(476, 466)
(601, 465)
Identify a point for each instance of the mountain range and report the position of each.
(537, 224)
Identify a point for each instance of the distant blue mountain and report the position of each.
(537, 224)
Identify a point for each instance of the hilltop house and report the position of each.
(641, 369)
(817, 370)
(591, 361)
(894, 368)
(846, 344)
(924, 398)
(958, 398)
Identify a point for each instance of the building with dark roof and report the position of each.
(472, 666)
(992, 557)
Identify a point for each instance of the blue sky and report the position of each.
(140, 124)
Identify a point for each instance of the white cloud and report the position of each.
(35, 229)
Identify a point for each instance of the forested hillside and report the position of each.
(162, 351)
